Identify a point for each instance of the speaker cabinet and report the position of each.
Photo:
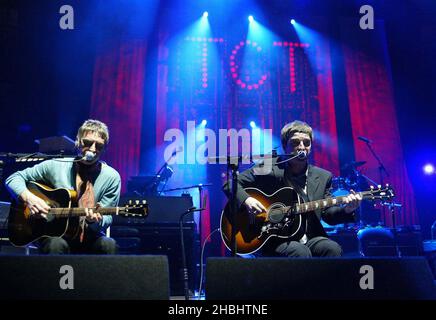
(318, 278)
(163, 239)
(70, 277)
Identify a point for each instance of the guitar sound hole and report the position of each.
(275, 215)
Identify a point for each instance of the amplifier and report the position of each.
(162, 239)
(162, 209)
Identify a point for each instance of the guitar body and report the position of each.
(24, 228)
(251, 234)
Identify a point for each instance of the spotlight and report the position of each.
(250, 18)
(204, 123)
(252, 124)
(292, 21)
(428, 169)
(205, 14)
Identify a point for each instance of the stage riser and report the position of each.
(322, 278)
(84, 277)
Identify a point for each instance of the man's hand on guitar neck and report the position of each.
(352, 201)
(92, 216)
(36, 205)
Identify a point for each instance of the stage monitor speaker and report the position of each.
(80, 277)
(318, 278)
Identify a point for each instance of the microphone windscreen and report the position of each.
(302, 154)
(89, 156)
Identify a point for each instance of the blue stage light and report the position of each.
(250, 18)
(428, 169)
(205, 14)
(204, 123)
(292, 21)
(252, 124)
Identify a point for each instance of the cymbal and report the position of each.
(353, 164)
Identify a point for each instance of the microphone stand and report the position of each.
(164, 173)
(391, 206)
(381, 169)
(182, 241)
(233, 167)
(200, 188)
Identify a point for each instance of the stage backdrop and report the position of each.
(232, 78)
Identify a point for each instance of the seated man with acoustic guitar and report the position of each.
(84, 182)
(280, 211)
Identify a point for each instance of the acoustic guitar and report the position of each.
(62, 219)
(284, 218)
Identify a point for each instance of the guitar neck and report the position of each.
(325, 203)
(78, 212)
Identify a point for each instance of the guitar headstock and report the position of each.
(135, 208)
(380, 193)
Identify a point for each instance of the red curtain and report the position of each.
(326, 153)
(117, 100)
(373, 115)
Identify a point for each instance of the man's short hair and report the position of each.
(96, 126)
(291, 128)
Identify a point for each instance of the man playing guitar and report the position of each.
(310, 183)
(93, 182)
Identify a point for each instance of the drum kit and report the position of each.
(353, 179)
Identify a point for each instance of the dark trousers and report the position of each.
(315, 247)
(90, 245)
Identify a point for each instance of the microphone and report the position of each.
(89, 156)
(366, 140)
(301, 154)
